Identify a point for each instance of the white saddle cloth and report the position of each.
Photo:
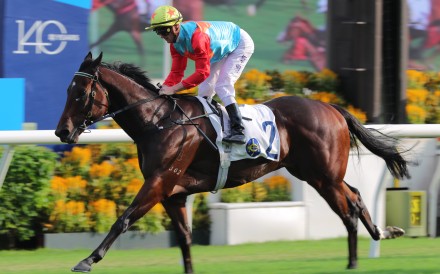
(262, 137)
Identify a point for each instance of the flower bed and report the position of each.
(94, 184)
(423, 97)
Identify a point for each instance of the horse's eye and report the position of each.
(82, 98)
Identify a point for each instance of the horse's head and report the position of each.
(87, 100)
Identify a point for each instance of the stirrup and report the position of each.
(235, 139)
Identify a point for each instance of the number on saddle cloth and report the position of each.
(262, 137)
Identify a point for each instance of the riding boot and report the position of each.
(236, 136)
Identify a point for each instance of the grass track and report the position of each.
(401, 256)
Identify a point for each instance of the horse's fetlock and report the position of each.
(97, 256)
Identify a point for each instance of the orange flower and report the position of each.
(416, 114)
(295, 76)
(134, 162)
(326, 97)
(60, 207)
(358, 113)
(79, 155)
(417, 96)
(277, 181)
(58, 184)
(104, 206)
(76, 182)
(134, 185)
(249, 101)
(101, 170)
(75, 207)
(157, 209)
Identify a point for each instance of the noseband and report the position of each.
(88, 121)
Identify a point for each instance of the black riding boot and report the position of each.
(236, 136)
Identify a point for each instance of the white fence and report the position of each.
(12, 138)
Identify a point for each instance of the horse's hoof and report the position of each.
(352, 266)
(82, 266)
(392, 232)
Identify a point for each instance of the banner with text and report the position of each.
(44, 42)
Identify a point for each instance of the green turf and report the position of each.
(400, 256)
(270, 20)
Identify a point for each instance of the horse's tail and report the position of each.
(378, 143)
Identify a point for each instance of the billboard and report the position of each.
(43, 42)
(424, 34)
(287, 34)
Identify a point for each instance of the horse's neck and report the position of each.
(124, 92)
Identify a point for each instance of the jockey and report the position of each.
(220, 51)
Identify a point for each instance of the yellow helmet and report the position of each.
(165, 16)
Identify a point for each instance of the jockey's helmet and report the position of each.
(165, 16)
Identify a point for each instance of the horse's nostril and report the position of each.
(62, 133)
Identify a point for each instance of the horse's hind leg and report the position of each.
(375, 232)
(343, 202)
(347, 203)
(176, 209)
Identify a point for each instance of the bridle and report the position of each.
(88, 120)
(94, 77)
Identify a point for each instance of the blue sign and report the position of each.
(12, 109)
(44, 42)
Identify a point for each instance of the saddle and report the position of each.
(262, 137)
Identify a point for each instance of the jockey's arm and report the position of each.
(201, 55)
(178, 66)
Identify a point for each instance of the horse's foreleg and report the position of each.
(120, 226)
(142, 203)
(176, 209)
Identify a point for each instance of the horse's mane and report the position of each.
(139, 76)
(133, 72)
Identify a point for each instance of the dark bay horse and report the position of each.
(176, 160)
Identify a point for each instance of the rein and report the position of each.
(88, 122)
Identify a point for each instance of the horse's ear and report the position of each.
(89, 56)
(97, 61)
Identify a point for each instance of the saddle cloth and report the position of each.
(262, 137)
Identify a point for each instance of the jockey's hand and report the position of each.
(167, 90)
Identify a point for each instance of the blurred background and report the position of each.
(368, 44)
(378, 58)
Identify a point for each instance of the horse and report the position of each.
(174, 141)
(307, 43)
(126, 18)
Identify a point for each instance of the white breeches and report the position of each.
(226, 72)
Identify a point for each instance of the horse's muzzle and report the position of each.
(65, 135)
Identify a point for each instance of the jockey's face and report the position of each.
(169, 34)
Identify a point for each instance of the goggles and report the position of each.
(162, 30)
